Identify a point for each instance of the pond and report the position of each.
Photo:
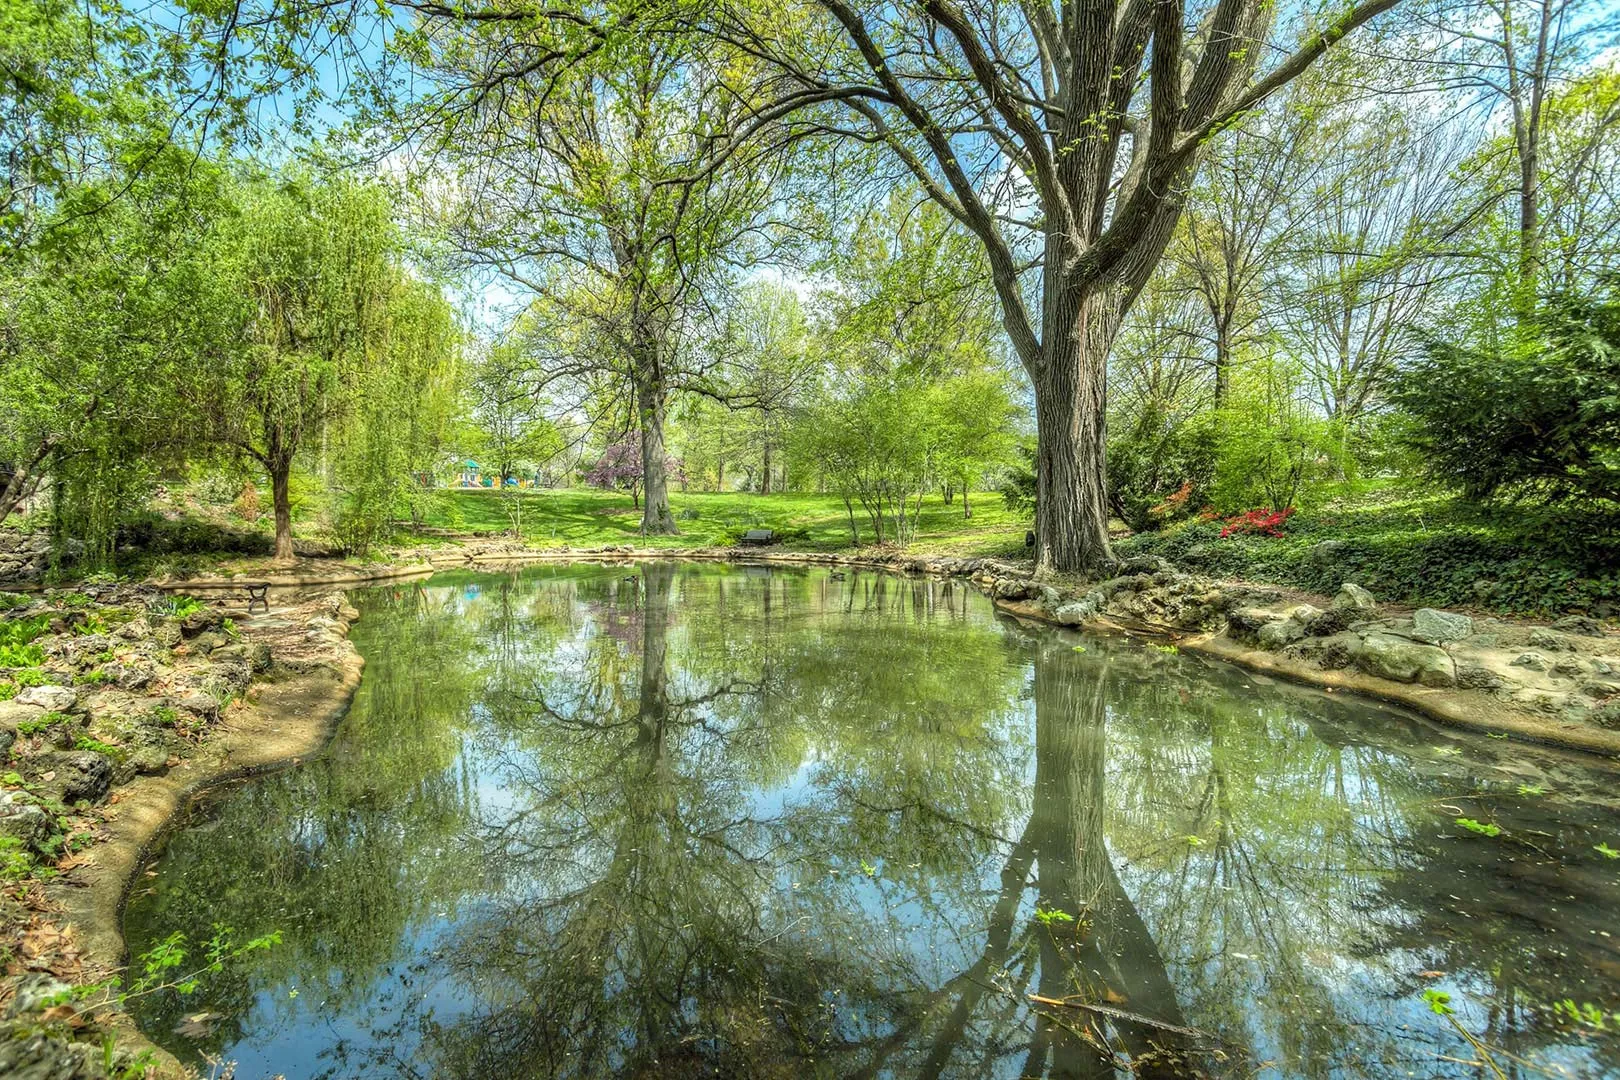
(703, 820)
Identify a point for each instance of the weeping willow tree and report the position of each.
(326, 338)
(404, 412)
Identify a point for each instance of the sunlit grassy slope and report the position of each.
(588, 517)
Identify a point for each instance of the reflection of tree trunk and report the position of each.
(1075, 874)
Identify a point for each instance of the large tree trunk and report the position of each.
(1071, 396)
(280, 469)
(765, 471)
(651, 398)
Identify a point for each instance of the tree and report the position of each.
(512, 429)
(1064, 139)
(100, 328)
(1538, 416)
(307, 271)
(622, 466)
(586, 174)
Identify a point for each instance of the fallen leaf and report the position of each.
(1431, 974)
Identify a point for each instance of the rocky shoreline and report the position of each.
(138, 701)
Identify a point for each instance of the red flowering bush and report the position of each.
(1262, 522)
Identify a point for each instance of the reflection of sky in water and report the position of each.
(1289, 855)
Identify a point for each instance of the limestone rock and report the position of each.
(1352, 599)
(28, 823)
(1275, 635)
(1245, 623)
(1532, 661)
(49, 698)
(1395, 658)
(81, 774)
(1551, 640)
(1438, 627)
(1584, 625)
(1078, 611)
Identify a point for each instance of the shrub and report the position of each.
(1538, 416)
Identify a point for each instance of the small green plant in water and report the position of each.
(1079, 648)
(1052, 916)
(1193, 841)
(1440, 1004)
(868, 869)
(1585, 1014)
(1532, 789)
(1168, 650)
(1606, 851)
(1483, 828)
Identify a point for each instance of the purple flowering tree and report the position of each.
(619, 467)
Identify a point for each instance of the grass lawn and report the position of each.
(589, 517)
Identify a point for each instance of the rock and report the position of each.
(1275, 635)
(1570, 667)
(1245, 623)
(37, 991)
(1305, 614)
(204, 705)
(1050, 597)
(28, 823)
(1078, 611)
(1325, 552)
(199, 621)
(1339, 650)
(81, 774)
(1584, 625)
(207, 641)
(166, 633)
(1532, 660)
(1145, 564)
(1479, 677)
(1551, 640)
(1400, 660)
(1436, 627)
(1325, 623)
(29, 1053)
(15, 712)
(49, 698)
(1353, 600)
(137, 628)
(132, 675)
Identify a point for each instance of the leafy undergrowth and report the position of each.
(1431, 550)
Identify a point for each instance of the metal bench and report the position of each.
(258, 595)
(758, 536)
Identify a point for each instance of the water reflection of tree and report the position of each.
(341, 854)
(772, 824)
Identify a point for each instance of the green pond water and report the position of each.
(696, 820)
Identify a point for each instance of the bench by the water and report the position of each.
(758, 536)
(258, 595)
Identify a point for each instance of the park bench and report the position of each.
(258, 595)
(758, 536)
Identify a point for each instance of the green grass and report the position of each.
(590, 518)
